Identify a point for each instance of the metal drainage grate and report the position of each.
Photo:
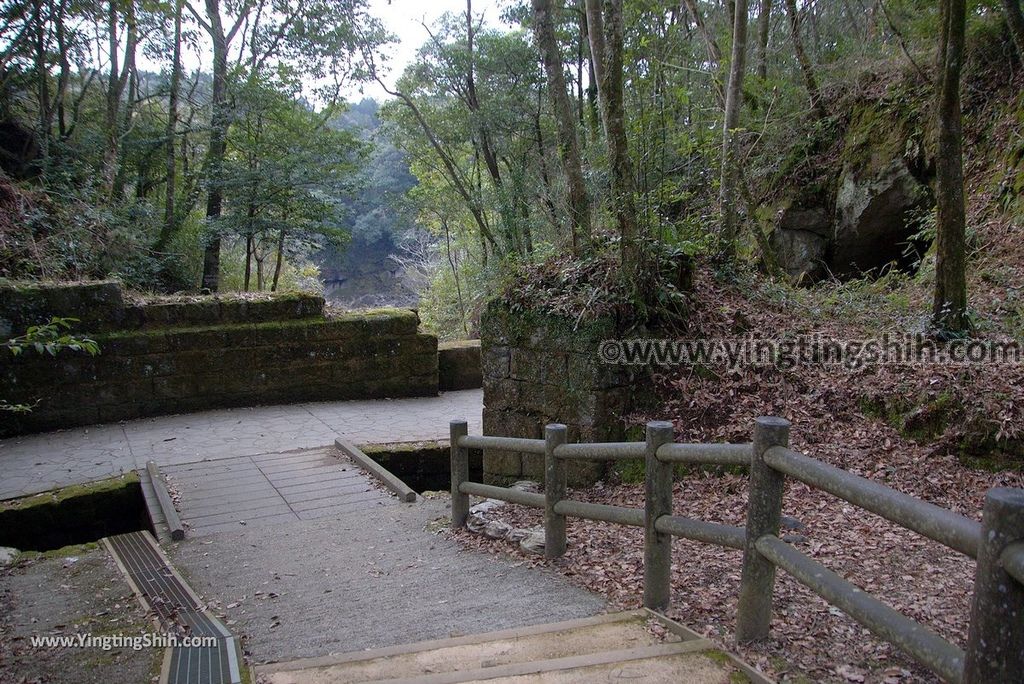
(178, 608)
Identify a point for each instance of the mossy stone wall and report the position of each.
(459, 365)
(176, 357)
(540, 369)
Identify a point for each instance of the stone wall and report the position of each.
(459, 365)
(174, 356)
(540, 369)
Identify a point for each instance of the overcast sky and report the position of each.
(405, 19)
(402, 18)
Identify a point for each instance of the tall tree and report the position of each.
(728, 195)
(1015, 22)
(764, 25)
(171, 189)
(806, 68)
(116, 83)
(219, 122)
(613, 110)
(949, 313)
(568, 144)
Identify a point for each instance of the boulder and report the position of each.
(874, 212)
(801, 240)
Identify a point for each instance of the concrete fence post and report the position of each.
(554, 491)
(460, 472)
(995, 641)
(764, 511)
(658, 502)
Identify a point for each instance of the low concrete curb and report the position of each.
(166, 505)
(383, 475)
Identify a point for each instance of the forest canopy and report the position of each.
(808, 140)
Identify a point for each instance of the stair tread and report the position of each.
(581, 668)
(590, 642)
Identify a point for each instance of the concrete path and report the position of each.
(366, 579)
(221, 495)
(37, 463)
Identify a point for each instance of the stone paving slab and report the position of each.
(367, 579)
(35, 463)
(270, 489)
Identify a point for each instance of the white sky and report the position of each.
(405, 18)
(402, 18)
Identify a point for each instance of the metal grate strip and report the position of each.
(178, 609)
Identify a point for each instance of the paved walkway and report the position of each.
(366, 579)
(271, 488)
(37, 463)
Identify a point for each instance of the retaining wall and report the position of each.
(166, 357)
(540, 369)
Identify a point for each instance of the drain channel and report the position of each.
(162, 591)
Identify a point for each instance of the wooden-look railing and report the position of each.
(995, 647)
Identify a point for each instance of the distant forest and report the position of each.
(594, 144)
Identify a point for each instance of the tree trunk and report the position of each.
(595, 36)
(733, 104)
(43, 83)
(64, 77)
(115, 89)
(806, 68)
(1015, 22)
(217, 150)
(170, 224)
(545, 177)
(610, 94)
(568, 144)
(279, 261)
(764, 25)
(711, 45)
(949, 314)
(248, 262)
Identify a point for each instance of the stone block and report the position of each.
(98, 306)
(495, 362)
(459, 365)
(533, 365)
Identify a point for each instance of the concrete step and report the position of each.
(600, 648)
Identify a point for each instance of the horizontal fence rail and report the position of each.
(925, 645)
(608, 451)
(633, 517)
(1012, 559)
(516, 496)
(995, 648)
(528, 446)
(728, 536)
(937, 523)
(706, 454)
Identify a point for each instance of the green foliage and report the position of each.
(47, 338)
(50, 338)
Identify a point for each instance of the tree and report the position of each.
(478, 138)
(728, 194)
(764, 24)
(117, 80)
(219, 122)
(568, 143)
(606, 28)
(1015, 22)
(283, 166)
(806, 68)
(171, 189)
(949, 313)
(312, 37)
